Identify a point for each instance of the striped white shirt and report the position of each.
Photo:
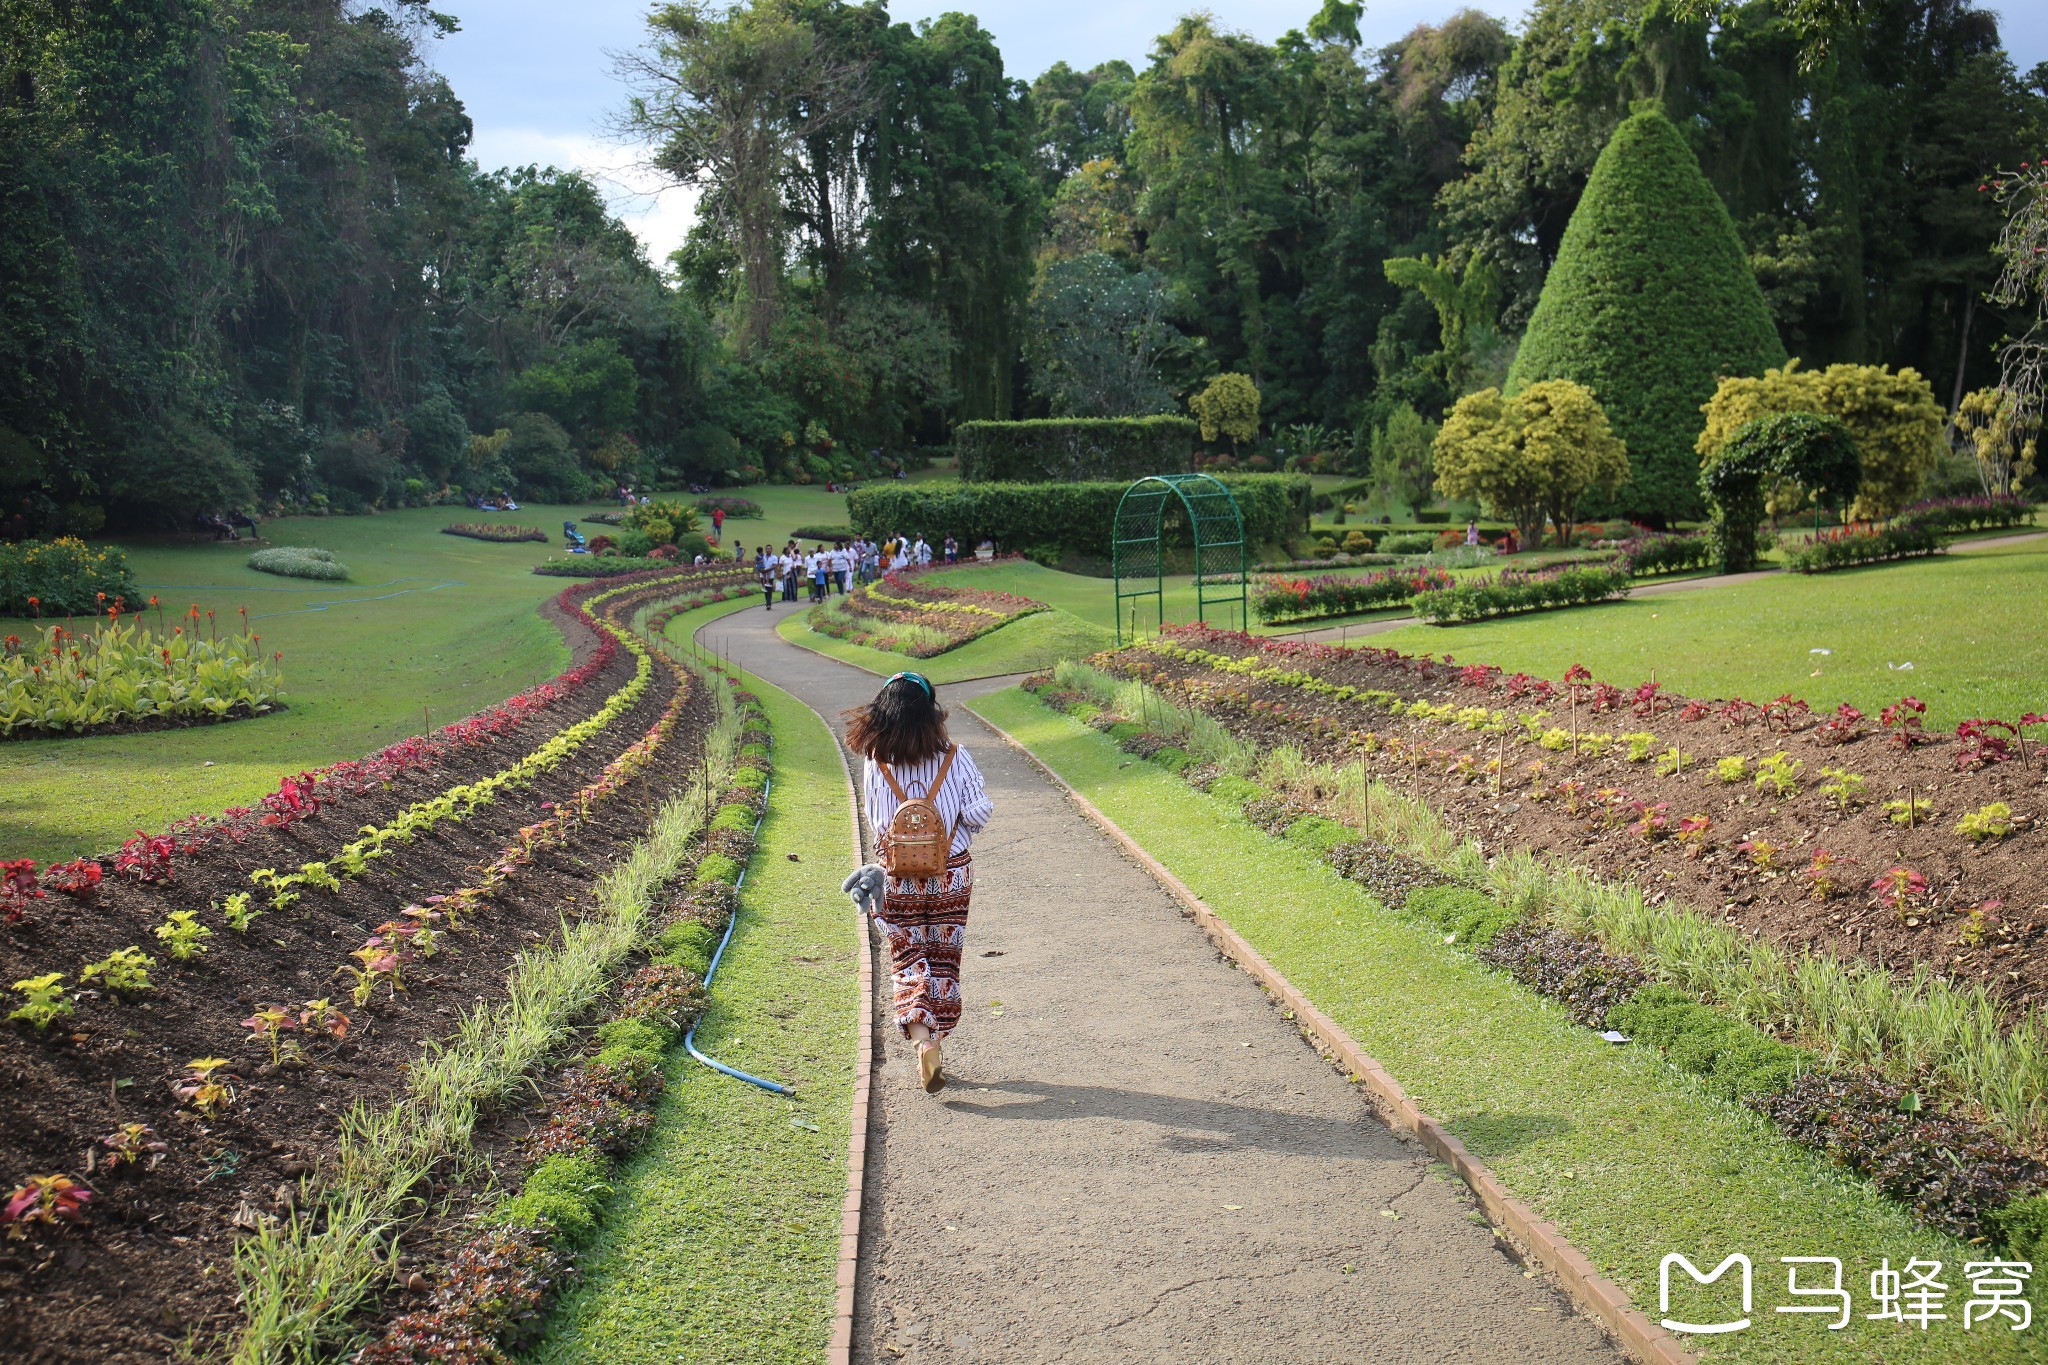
(963, 802)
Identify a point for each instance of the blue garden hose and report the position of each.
(690, 1038)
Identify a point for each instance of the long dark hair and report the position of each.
(903, 724)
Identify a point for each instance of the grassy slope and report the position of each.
(723, 1239)
(451, 627)
(1626, 1155)
(1037, 641)
(1969, 624)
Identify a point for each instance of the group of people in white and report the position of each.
(843, 565)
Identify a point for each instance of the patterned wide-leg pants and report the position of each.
(924, 922)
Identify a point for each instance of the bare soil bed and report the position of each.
(150, 1268)
(1984, 912)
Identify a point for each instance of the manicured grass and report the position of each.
(428, 628)
(1091, 599)
(1032, 642)
(722, 1240)
(1970, 624)
(1631, 1159)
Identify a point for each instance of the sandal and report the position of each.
(930, 1069)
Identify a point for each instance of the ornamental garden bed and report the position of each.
(906, 612)
(502, 534)
(1790, 846)
(400, 935)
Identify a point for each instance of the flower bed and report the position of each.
(498, 533)
(908, 613)
(1850, 546)
(1648, 553)
(1512, 590)
(1921, 1142)
(181, 964)
(618, 566)
(1304, 599)
(299, 561)
(1950, 515)
(122, 674)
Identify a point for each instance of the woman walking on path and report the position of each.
(923, 918)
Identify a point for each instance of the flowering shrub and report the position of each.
(1849, 546)
(732, 507)
(124, 671)
(1301, 599)
(63, 577)
(505, 534)
(1969, 514)
(1649, 552)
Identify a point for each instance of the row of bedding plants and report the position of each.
(497, 1269)
(1282, 599)
(497, 532)
(1485, 596)
(1717, 1005)
(213, 1038)
(1869, 839)
(908, 612)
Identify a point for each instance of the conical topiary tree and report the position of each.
(1650, 303)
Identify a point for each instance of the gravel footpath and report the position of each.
(1138, 1157)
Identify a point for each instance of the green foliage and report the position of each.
(1811, 452)
(1228, 407)
(563, 1193)
(1992, 821)
(65, 577)
(1650, 302)
(1467, 917)
(541, 461)
(1077, 517)
(1482, 598)
(1403, 467)
(2022, 1226)
(590, 388)
(1893, 425)
(1531, 455)
(1097, 336)
(124, 672)
(1847, 549)
(124, 969)
(299, 561)
(1073, 449)
(1733, 1058)
(43, 1001)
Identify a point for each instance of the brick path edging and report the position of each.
(839, 1347)
(1543, 1242)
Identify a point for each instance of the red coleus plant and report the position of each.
(1845, 725)
(146, 857)
(1979, 745)
(79, 879)
(1900, 888)
(1903, 724)
(49, 1199)
(18, 888)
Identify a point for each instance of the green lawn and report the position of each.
(428, 628)
(1630, 1158)
(1969, 624)
(721, 1242)
(1036, 641)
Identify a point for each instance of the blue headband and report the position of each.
(917, 678)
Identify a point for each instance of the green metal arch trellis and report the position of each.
(1137, 554)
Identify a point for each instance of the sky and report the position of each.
(537, 76)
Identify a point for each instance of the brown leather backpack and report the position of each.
(918, 843)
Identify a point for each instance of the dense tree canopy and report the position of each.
(248, 257)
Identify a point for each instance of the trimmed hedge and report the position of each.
(1651, 553)
(822, 533)
(1069, 450)
(1068, 517)
(1479, 599)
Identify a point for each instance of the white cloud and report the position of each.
(658, 212)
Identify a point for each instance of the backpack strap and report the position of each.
(931, 793)
(894, 786)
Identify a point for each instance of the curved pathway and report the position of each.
(1138, 1157)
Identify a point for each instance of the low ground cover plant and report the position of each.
(299, 561)
(124, 671)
